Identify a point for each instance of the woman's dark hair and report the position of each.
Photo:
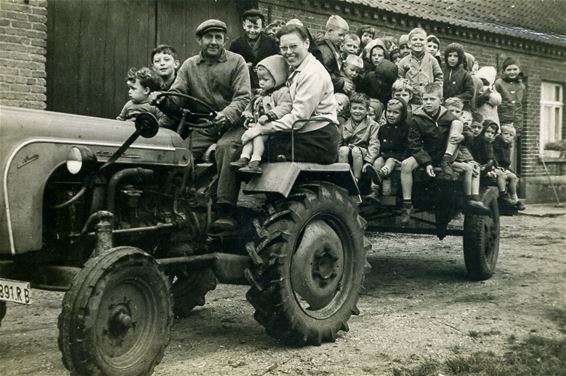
(299, 30)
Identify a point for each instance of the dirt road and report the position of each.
(417, 305)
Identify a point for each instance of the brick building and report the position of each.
(23, 42)
(33, 68)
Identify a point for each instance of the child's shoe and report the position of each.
(375, 176)
(242, 162)
(519, 205)
(252, 168)
(477, 207)
(406, 212)
(447, 172)
(505, 200)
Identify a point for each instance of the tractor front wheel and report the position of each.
(117, 315)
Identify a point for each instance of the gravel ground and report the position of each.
(417, 304)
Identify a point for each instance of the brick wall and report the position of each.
(23, 41)
(537, 68)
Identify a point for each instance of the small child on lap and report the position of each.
(272, 102)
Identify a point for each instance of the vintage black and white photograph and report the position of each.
(282, 187)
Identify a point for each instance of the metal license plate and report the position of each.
(15, 291)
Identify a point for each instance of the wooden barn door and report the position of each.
(91, 45)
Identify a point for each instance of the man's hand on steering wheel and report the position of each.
(153, 97)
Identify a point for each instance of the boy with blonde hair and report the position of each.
(351, 70)
(420, 67)
(330, 47)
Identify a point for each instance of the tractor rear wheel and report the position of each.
(481, 239)
(308, 265)
(117, 315)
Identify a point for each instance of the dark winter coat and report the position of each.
(513, 98)
(502, 152)
(483, 151)
(393, 138)
(428, 137)
(331, 60)
(267, 47)
(457, 80)
(377, 82)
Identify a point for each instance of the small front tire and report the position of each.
(117, 315)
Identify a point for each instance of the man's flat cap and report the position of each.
(211, 25)
(253, 13)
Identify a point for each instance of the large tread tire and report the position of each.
(278, 281)
(481, 239)
(2, 311)
(189, 290)
(117, 315)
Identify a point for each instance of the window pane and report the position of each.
(545, 92)
(557, 123)
(557, 93)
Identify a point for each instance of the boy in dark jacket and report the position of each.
(330, 46)
(432, 142)
(457, 81)
(254, 45)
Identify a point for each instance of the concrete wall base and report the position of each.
(539, 189)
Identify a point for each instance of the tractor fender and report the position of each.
(281, 177)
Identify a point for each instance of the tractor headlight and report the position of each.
(77, 157)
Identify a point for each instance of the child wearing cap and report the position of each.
(351, 69)
(141, 82)
(360, 142)
(272, 102)
(377, 82)
(404, 49)
(254, 45)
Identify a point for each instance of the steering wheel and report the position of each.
(192, 109)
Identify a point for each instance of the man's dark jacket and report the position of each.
(267, 47)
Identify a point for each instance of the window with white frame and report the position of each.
(551, 105)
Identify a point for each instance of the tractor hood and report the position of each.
(34, 143)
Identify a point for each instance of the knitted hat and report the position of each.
(459, 49)
(354, 61)
(433, 38)
(509, 61)
(294, 21)
(477, 117)
(277, 67)
(403, 39)
(373, 44)
(337, 22)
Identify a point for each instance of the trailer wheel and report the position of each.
(189, 290)
(117, 315)
(2, 311)
(481, 239)
(308, 265)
